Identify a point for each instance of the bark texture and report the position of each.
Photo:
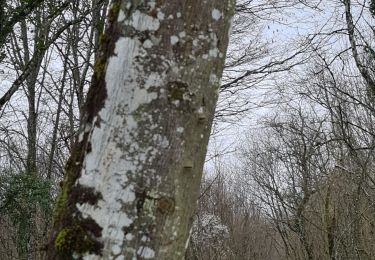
(133, 177)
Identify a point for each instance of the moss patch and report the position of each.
(60, 205)
(74, 239)
(113, 11)
(99, 68)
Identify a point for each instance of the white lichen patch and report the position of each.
(202, 36)
(89, 257)
(153, 79)
(121, 16)
(180, 130)
(147, 44)
(129, 236)
(200, 110)
(214, 79)
(146, 253)
(214, 39)
(82, 133)
(160, 15)
(195, 42)
(182, 34)
(163, 141)
(216, 14)
(143, 22)
(214, 52)
(151, 4)
(116, 249)
(174, 39)
(115, 149)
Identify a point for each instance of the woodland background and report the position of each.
(290, 170)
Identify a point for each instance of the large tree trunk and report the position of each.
(133, 177)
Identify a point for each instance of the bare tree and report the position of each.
(133, 176)
(39, 114)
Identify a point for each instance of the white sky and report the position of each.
(284, 32)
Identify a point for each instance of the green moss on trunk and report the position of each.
(73, 239)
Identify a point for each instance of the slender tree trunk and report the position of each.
(56, 124)
(134, 174)
(365, 71)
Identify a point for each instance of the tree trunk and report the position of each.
(133, 177)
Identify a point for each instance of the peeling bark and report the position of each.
(133, 177)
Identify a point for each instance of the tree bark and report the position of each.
(133, 177)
